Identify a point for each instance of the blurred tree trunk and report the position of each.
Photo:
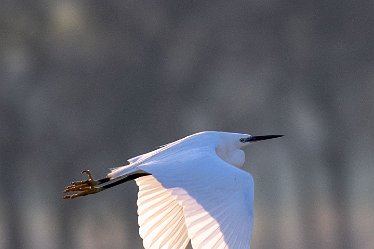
(11, 147)
(324, 93)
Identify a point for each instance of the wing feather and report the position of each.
(161, 218)
(215, 197)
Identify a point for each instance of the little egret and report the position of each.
(190, 189)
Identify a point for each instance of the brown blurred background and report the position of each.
(89, 84)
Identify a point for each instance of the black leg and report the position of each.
(103, 180)
(125, 179)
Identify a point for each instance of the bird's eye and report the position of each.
(242, 140)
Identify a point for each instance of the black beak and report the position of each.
(260, 138)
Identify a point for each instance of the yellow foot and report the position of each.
(82, 187)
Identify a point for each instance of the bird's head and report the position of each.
(229, 147)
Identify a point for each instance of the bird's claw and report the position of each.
(83, 187)
(88, 191)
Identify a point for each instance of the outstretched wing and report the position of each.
(161, 218)
(216, 198)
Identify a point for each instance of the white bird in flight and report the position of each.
(190, 189)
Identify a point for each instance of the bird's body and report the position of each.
(195, 192)
(222, 144)
(192, 189)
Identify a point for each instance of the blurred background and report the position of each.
(89, 84)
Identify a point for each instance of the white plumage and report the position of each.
(194, 193)
(190, 190)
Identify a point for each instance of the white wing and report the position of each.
(216, 197)
(161, 218)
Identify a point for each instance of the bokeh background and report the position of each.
(89, 84)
